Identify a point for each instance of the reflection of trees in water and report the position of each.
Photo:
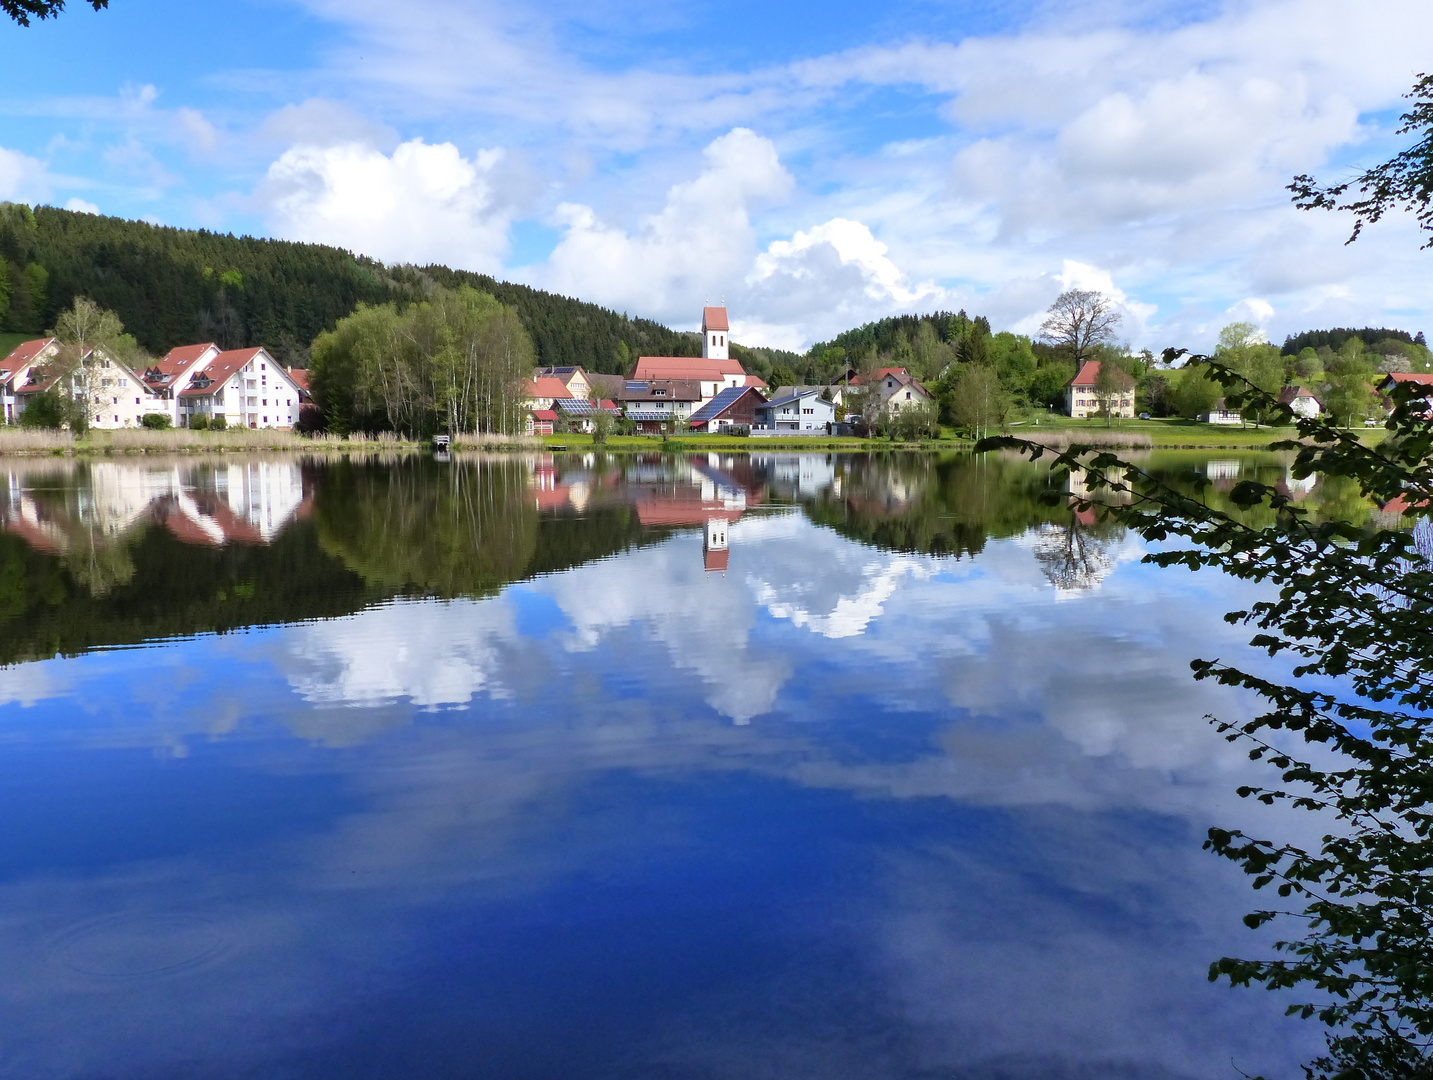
(935, 505)
(459, 530)
(1071, 556)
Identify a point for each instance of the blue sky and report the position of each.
(816, 165)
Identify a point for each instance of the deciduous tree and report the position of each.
(1078, 322)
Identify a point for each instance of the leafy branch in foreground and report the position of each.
(1354, 607)
(1404, 180)
(22, 11)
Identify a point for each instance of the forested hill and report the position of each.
(176, 286)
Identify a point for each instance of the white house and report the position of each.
(1081, 400)
(247, 387)
(1222, 414)
(804, 413)
(900, 390)
(15, 370)
(115, 395)
(174, 372)
(1301, 400)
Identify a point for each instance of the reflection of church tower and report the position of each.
(714, 551)
(714, 332)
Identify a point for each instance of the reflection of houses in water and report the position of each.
(708, 491)
(1079, 487)
(245, 503)
(801, 475)
(1223, 469)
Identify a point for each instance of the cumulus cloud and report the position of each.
(423, 203)
(698, 246)
(22, 178)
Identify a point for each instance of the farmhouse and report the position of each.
(734, 407)
(1081, 400)
(1301, 400)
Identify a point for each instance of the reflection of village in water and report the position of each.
(87, 512)
(707, 491)
(59, 508)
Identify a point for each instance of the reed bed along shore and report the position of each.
(1105, 440)
(33, 441)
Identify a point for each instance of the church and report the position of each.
(713, 371)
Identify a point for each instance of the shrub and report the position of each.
(156, 421)
(218, 423)
(199, 423)
(602, 423)
(54, 411)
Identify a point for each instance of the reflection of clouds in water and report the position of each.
(966, 688)
(431, 654)
(27, 684)
(704, 621)
(824, 583)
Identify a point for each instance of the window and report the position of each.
(265, 403)
(908, 395)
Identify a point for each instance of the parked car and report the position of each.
(1144, 416)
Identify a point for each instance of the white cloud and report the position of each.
(697, 247)
(424, 203)
(80, 206)
(22, 178)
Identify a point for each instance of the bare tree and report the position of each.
(1079, 321)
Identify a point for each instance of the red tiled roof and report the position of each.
(756, 381)
(716, 560)
(1413, 377)
(1086, 376)
(685, 367)
(179, 359)
(546, 386)
(544, 414)
(1289, 393)
(714, 318)
(299, 376)
(219, 370)
(24, 353)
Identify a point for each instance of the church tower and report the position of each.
(714, 333)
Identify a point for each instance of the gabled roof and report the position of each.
(544, 414)
(299, 377)
(1412, 377)
(545, 386)
(219, 369)
(180, 359)
(756, 381)
(901, 374)
(583, 407)
(722, 402)
(25, 353)
(662, 390)
(686, 367)
(1289, 393)
(714, 318)
(799, 395)
(1086, 376)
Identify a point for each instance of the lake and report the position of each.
(779, 765)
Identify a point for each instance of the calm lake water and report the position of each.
(772, 766)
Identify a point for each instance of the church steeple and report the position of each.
(714, 333)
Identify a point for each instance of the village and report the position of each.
(201, 386)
